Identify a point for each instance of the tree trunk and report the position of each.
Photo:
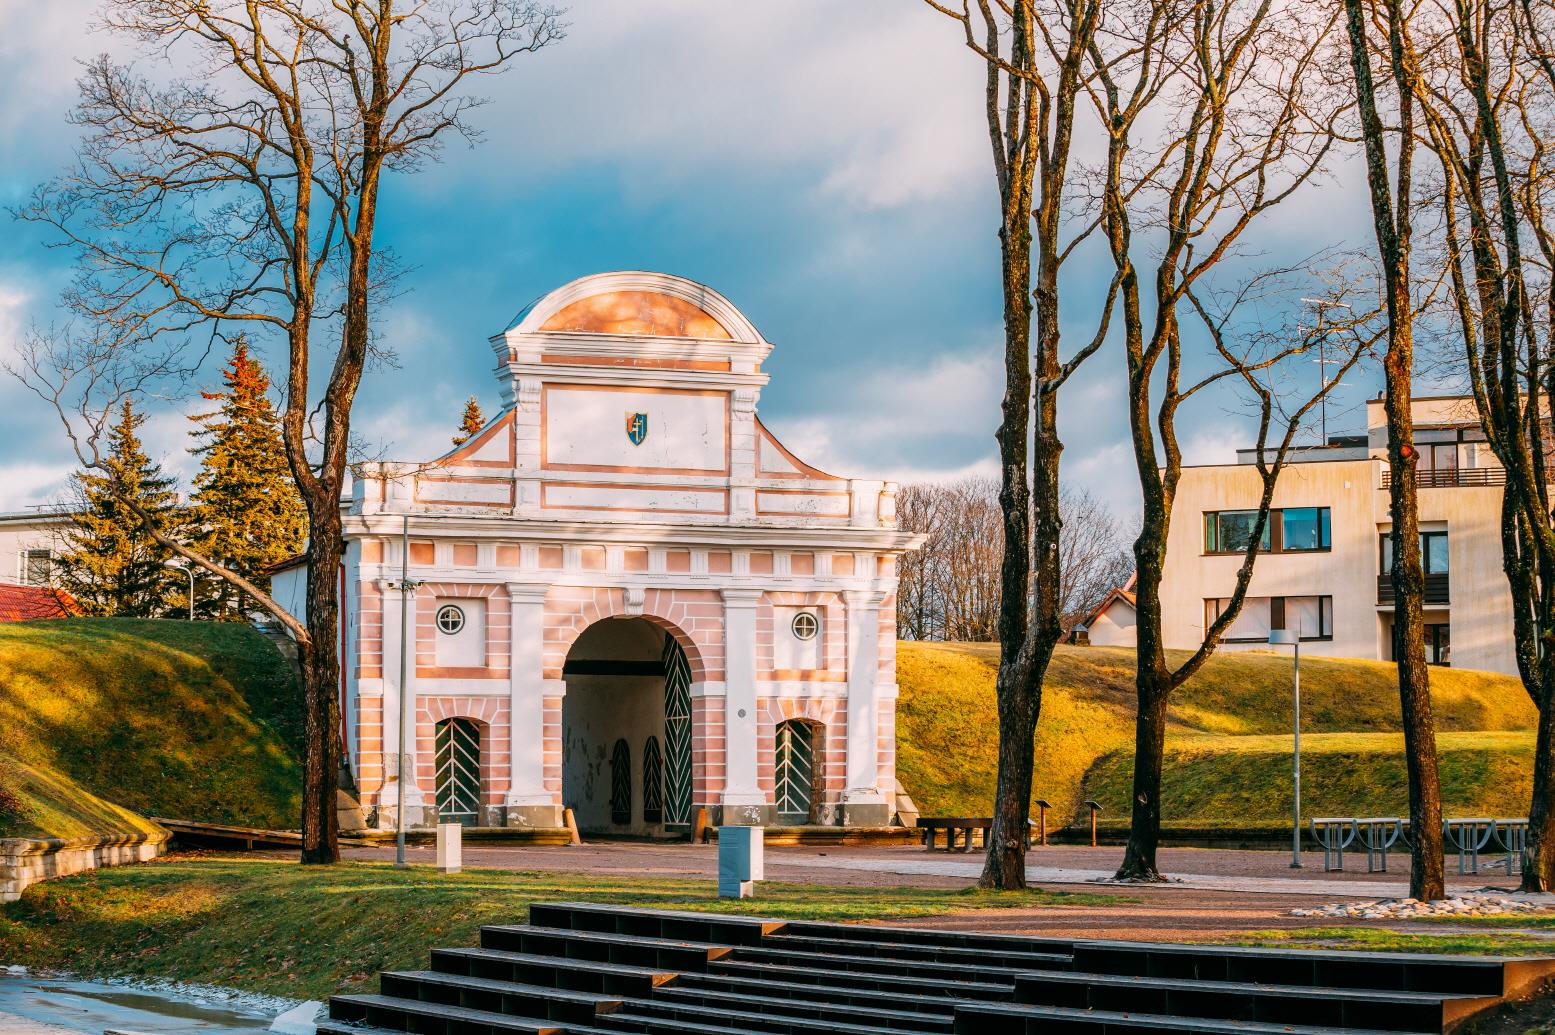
(1144, 834)
(321, 688)
(1539, 856)
(1414, 690)
(1019, 701)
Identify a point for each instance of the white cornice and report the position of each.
(651, 377)
(635, 533)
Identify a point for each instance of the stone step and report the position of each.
(812, 1009)
(872, 981)
(602, 948)
(681, 924)
(995, 944)
(555, 971)
(1468, 975)
(1012, 1019)
(1230, 1000)
(508, 998)
(410, 1015)
(751, 1020)
(924, 970)
(1009, 956)
(896, 998)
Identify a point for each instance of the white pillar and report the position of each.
(529, 804)
(863, 803)
(743, 800)
(398, 729)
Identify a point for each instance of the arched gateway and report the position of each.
(628, 598)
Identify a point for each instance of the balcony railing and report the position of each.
(1435, 588)
(1453, 478)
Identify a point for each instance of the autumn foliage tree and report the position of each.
(110, 560)
(471, 423)
(245, 513)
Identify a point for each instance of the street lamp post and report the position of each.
(189, 571)
(407, 590)
(1277, 638)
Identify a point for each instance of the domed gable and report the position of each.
(636, 312)
(635, 302)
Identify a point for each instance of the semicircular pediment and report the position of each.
(636, 312)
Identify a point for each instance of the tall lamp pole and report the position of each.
(1278, 638)
(187, 569)
(407, 589)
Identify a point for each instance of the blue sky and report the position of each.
(822, 164)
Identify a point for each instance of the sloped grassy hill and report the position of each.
(1228, 749)
(161, 718)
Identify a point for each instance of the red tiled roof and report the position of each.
(25, 603)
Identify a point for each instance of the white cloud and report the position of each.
(26, 484)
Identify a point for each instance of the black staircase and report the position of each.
(581, 969)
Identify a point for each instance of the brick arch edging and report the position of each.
(693, 617)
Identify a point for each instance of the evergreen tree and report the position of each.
(472, 422)
(109, 562)
(245, 512)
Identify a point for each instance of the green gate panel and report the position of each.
(653, 782)
(621, 783)
(458, 771)
(795, 774)
(677, 733)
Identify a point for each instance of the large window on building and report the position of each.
(37, 567)
(1230, 531)
(1288, 530)
(1311, 617)
(1433, 553)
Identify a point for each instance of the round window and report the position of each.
(805, 626)
(450, 619)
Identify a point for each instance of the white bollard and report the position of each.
(449, 853)
(740, 861)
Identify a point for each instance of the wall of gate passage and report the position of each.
(625, 552)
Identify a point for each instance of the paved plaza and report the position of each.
(1214, 892)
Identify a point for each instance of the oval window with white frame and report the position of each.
(450, 619)
(805, 626)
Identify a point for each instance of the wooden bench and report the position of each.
(952, 825)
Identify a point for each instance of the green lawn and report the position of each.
(191, 720)
(1380, 939)
(1228, 744)
(274, 926)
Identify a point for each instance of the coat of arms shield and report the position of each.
(636, 427)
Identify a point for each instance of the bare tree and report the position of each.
(1094, 554)
(1392, 203)
(240, 190)
(1483, 78)
(950, 589)
(1233, 91)
(1034, 53)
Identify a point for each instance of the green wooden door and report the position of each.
(794, 791)
(458, 771)
(677, 733)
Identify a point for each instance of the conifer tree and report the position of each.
(109, 562)
(472, 422)
(245, 513)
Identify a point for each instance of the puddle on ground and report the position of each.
(92, 1006)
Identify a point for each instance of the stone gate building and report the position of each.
(626, 596)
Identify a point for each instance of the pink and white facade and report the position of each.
(624, 555)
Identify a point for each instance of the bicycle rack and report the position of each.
(1512, 836)
(1335, 835)
(1378, 834)
(1467, 837)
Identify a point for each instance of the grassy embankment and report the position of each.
(1228, 749)
(104, 721)
(273, 926)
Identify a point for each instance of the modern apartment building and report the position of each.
(1324, 570)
